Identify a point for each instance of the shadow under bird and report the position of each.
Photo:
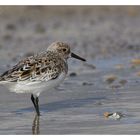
(40, 72)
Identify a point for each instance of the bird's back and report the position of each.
(41, 67)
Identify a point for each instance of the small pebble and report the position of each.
(110, 78)
(10, 26)
(87, 84)
(123, 82)
(73, 74)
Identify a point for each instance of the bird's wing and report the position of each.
(34, 69)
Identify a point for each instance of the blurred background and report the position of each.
(93, 31)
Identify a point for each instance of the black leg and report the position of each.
(35, 103)
(33, 100)
(37, 106)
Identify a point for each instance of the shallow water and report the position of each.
(74, 108)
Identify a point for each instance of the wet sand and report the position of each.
(108, 37)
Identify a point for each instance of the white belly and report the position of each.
(36, 87)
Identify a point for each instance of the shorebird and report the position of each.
(40, 72)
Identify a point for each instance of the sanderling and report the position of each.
(40, 72)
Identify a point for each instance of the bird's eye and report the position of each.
(64, 50)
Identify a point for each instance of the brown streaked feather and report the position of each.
(44, 66)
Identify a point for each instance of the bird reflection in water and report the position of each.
(35, 125)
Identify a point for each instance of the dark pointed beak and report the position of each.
(77, 57)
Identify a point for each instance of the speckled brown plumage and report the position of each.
(44, 66)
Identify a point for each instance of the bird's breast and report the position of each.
(37, 86)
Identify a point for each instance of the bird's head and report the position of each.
(63, 49)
